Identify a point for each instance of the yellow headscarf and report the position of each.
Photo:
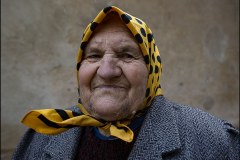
(54, 121)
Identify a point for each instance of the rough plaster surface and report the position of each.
(198, 41)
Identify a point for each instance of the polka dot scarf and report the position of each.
(55, 121)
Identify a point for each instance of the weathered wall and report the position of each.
(198, 41)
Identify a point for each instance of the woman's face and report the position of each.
(113, 75)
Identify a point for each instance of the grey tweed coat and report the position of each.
(169, 131)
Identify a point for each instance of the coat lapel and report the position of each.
(64, 145)
(159, 133)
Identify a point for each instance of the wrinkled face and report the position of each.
(113, 75)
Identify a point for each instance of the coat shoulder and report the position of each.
(210, 135)
(203, 121)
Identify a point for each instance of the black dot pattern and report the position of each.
(93, 26)
(140, 22)
(78, 65)
(79, 101)
(83, 45)
(149, 38)
(107, 9)
(147, 92)
(149, 51)
(143, 32)
(156, 69)
(146, 59)
(159, 59)
(151, 69)
(153, 57)
(139, 38)
(126, 18)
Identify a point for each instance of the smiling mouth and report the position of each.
(108, 87)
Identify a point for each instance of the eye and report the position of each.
(126, 55)
(93, 57)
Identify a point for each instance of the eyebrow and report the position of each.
(92, 49)
(125, 48)
(119, 48)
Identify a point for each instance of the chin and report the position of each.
(108, 118)
(110, 112)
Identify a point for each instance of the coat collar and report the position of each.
(159, 133)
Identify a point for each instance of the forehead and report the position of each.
(112, 30)
(111, 23)
(112, 38)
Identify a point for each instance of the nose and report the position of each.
(109, 68)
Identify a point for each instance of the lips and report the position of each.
(106, 86)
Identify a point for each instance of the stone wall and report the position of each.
(198, 41)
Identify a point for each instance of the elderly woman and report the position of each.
(122, 113)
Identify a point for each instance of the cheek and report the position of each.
(85, 75)
(137, 75)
